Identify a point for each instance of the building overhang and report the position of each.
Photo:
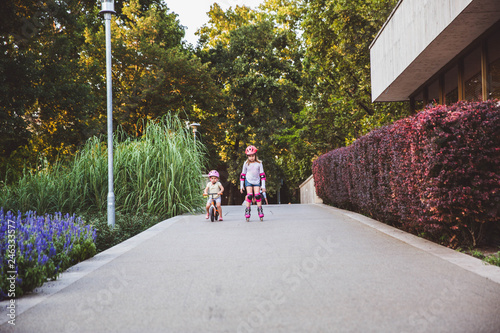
(419, 38)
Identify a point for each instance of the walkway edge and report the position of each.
(78, 271)
(465, 261)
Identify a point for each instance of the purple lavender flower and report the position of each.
(38, 241)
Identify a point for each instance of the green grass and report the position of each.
(492, 259)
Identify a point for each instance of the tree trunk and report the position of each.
(230, 199)
(232, 188)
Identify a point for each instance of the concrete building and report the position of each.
(437, 50)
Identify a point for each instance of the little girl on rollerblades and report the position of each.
(252, 178)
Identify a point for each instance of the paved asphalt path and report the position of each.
(306, 268)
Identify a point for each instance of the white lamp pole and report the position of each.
(108, 8)
(194, 126)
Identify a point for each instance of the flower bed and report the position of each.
(35, 248)
(435, 174)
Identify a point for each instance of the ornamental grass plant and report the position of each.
(158, 174)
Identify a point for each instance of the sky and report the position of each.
(193, 13)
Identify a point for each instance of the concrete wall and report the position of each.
(308, 192)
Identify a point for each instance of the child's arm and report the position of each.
(205, 190)
(221, 189)
(242, 177)
(262, 176)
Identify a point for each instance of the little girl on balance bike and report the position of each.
(214, 187)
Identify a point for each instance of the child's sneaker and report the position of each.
(207, 216)
(220, 218)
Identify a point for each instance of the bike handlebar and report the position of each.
(212, 194)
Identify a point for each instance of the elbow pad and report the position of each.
(263, 179)
(242, 180)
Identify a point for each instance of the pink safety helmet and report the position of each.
(251, 150)
(213, 173)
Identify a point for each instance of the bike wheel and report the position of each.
(212, 213)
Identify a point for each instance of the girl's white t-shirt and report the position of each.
(214, 188)
(252, 172)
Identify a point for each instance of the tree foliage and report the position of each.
(259, 71)
(291, 77)
(152, 71)
(47, 100)
(221, 23)
(53, 75)
(337, 34)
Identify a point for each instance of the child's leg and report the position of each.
(219, 208)
(259, 202)
(207, 207)
(258, 195)
(248, 201)
(250, 195)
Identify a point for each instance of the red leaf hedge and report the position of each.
(435, 174)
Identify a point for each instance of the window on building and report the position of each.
(495, 80)
(419, 100)
(452, 97)
(494, 67)
(451, 85)
(434, 92)
(472, 74)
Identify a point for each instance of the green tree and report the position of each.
(53, 82)
(152, 71)
(261, 80)
(41, 81)
(221, 23)
(337, 35)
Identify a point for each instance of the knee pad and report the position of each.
(258, 197)
(249, 197)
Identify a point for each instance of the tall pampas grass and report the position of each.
(158, 174)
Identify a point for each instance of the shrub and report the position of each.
(436, 174)
(38, 248)
(126, 226)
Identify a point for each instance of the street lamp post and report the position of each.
(194, 126)
(108, 8)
